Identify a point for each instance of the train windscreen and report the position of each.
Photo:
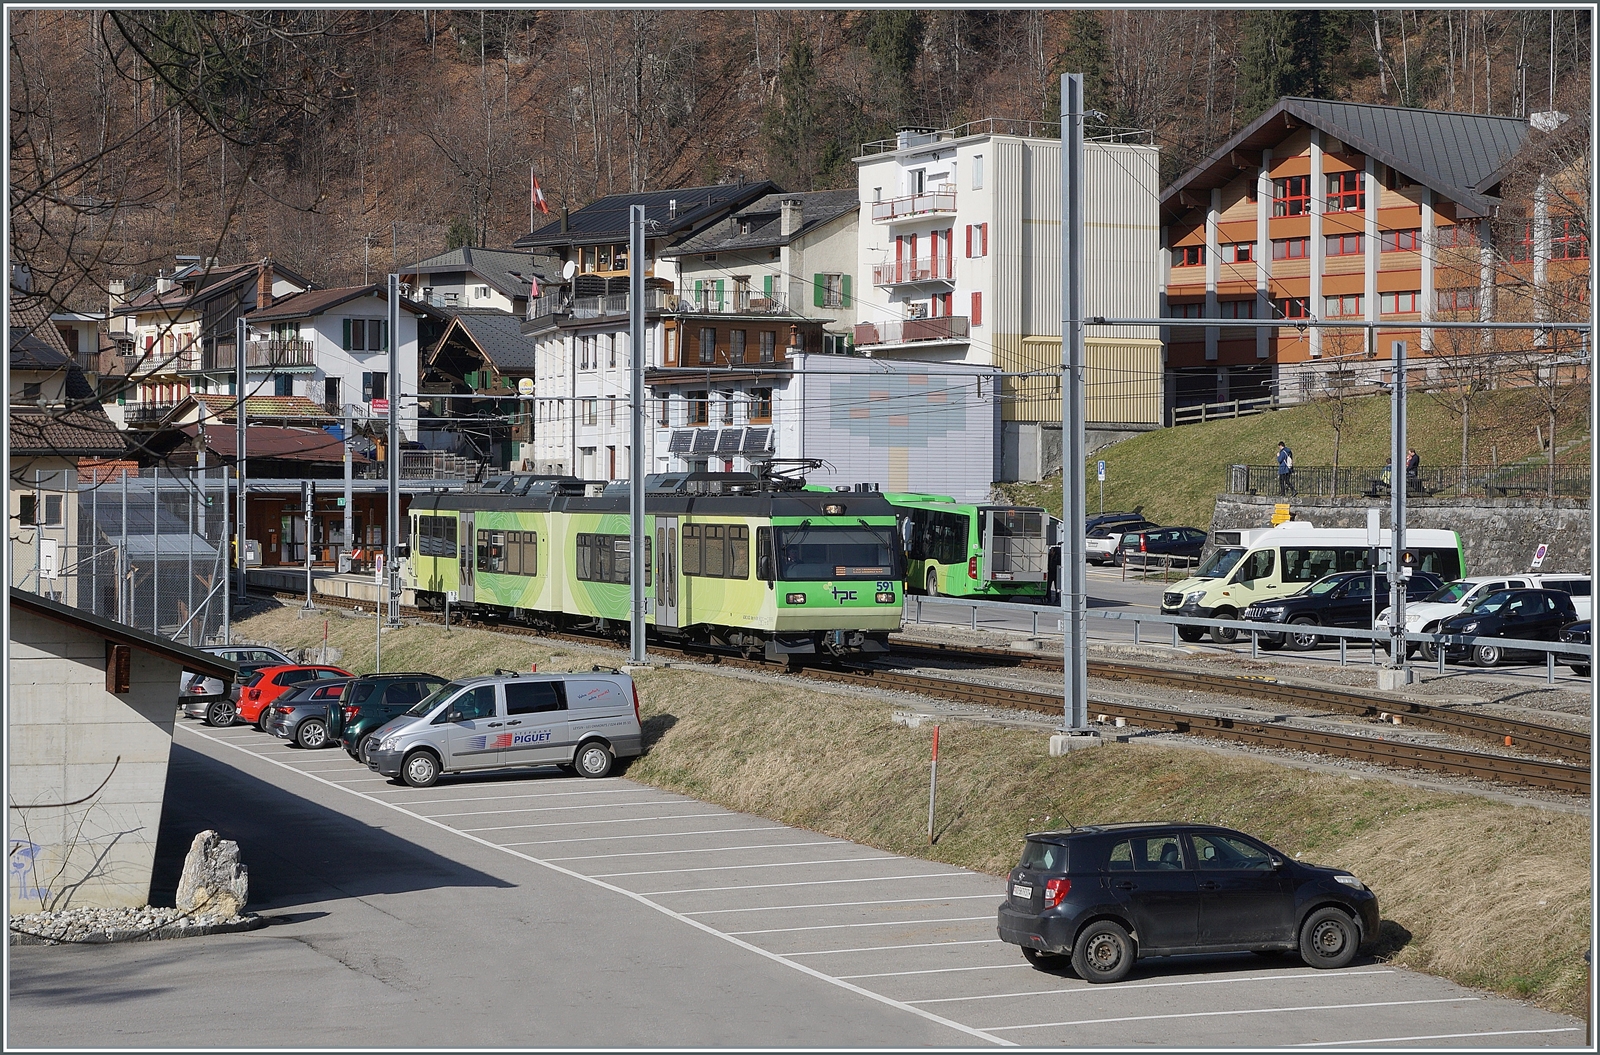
(818, 554)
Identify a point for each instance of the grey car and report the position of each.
(301, 714)
(196, 692)
(581, 722)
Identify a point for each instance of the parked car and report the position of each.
(1108, 895)
(1152, 545)
(580, 722)
(1533, 615)
(222, 710)
(301, 714)
(1099, 519)
(196, 692)
(1462, 595)
(1101, 543)
(1343, 599)
(1577, 634)
(369, 703)
(268, 683)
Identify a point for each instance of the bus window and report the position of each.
(1257, 565)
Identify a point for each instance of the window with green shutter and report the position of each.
(346, 344)
(766, 286)
(844, 291)
(720, 301)
(819, 291)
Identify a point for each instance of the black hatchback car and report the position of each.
(367, 705)
(1343, 599)
(1108, 895)
(1576, 634)
(1534, 615)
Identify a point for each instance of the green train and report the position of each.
(731, 560)
(967, 550)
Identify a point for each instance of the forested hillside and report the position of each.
(346, 142)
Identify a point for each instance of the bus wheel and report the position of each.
(933, 584)
(1225, 635)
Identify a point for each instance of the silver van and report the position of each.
(581, 722)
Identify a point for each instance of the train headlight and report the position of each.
(887, 597)
(794, 598)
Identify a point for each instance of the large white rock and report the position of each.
(214, 882)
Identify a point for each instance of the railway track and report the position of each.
(1565, 776)
(1512, 732)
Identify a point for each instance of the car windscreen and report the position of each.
(816, 554)
(1492, 603)
(1044, 856)
(1450, 594)
(1219, 563)
(432, 700)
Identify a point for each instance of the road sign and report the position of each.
(525, 387)
(380, 407)
(49, 558)
(1538, 555)
(1100, 470)
(377, 568)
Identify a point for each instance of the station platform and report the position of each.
(351, 585)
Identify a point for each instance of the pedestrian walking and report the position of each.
(1413, 467)
(1286, 470)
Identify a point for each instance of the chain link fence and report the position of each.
(143, 547)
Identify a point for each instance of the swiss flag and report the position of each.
(538, 195)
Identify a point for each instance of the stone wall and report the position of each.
(1498, 535)
(65, 735)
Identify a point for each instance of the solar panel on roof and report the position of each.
(682, 440)
(728, 441)
(705, 441)
(755, 440)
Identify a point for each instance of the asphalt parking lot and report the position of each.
(874, 934)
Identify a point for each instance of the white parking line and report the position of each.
(695, 850)
(1306, 975)
(808, 882)
(878, 923)
(942, 970)
(588, 823)
(554, 809)
(631, 789)
(1242, 1011)
(841, 904)
(650, 835)
(729, 868)
(891, 948)
(1436, 1036)
(640, 899)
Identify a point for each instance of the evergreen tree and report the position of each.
(1084, 52)
(894, 39)
(1295, 52)
(789, 127)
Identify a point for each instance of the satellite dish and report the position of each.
(569, 269)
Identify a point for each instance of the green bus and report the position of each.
(957, 549)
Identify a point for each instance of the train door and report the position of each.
(666, 571)
(468, 556)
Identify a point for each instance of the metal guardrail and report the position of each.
(1377, 638)
(1493, 481)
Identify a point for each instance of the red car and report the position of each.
(271, 682)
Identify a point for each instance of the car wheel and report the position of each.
(1045, 961)
(1328, 939)
(1190, 633)
(1103, 953)
(221, 713)
(933, 584)
(1581, 669)
(1486, 655)
(312, 734)
(261, 720)
(593, 760)
(363, 753)
(1300, 640)
(420, 769)
(1428, 652)
(1225, 635)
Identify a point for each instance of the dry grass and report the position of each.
(1486, 894)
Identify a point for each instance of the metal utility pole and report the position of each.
(1074, 577)
(391, 536)
(308, 500)
(1397, 517)
(636, 364)
(240, 530)
(349, 512)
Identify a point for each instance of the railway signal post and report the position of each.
(636, 364)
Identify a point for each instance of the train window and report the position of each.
(738, 552)
(530, 553)
(691, 550)
(606, 558)
(712, 551)
(764, 554)
(513, 560)
(716, 551)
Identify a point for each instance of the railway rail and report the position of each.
(1565, 776)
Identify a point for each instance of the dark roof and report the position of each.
(316, 301)
(765, 218)
(274, 441)
(1451, 153)
(498, 337)
(190, 659)
(505, 269)
(606, 220)
(80, 428)
(208, 285)
(35, 343)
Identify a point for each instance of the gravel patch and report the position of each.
(106, 926)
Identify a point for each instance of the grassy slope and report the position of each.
(1460, 874)
(1176, 474)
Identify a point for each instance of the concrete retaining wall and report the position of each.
(65, 733)
(1498, 535)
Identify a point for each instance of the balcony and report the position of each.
(907, 331)
(941, 202)
(273, 355)
(613, 304)
(148, 413)
(731, 302)
(909, 272)
(157, 361)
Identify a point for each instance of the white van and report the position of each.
(1424, 617)
(1285, 559)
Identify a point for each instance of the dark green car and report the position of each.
(368, 703)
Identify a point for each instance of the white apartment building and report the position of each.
(959, 261)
